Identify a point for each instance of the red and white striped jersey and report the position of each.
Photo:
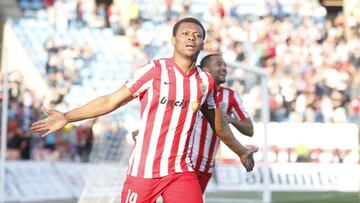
(204, 142)
(169, 101)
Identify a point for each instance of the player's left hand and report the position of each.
(247, 159)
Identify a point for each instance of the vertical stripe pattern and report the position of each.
(169, 100)
(205, 143)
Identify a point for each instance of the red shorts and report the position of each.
(204, 178)
(176, 188)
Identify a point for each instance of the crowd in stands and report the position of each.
(313, 64)
(63, 65)
(73, 143)
(25, 108)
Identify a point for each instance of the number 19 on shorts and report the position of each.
(131, 197)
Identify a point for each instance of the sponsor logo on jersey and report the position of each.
(174, 103)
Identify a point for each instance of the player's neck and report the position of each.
(184, 63)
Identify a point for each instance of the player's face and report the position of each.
(217, 68)
(188, 40)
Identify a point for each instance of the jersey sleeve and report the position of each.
(141, 80)
(237, 107)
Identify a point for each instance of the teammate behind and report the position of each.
(205, 142)
(171, 90)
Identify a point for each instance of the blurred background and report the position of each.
(62, 53)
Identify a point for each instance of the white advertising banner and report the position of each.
(33, 181)
(288, 177)
(28, 181)
(42, 181)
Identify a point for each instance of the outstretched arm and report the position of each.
(56, 120)
(100, 106)
(221, 127)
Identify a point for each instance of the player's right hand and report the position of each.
(54, 121)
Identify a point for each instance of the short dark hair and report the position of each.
(206, 60)
(188, 20)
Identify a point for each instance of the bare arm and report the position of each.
(56, 120)
(100, 106)
(223, 131)
(244, 126)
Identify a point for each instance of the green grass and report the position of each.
(284, 197)
(316, 197)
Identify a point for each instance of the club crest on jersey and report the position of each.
(195, 105)
(203, 87)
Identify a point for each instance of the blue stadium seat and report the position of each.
(102, 75)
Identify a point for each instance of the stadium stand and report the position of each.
(314, 68)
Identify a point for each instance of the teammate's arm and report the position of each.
(240, 119)
(223, 131)
(56, 120)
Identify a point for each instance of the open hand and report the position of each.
(247, 158)
(54, 121)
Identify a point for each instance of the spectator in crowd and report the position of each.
(302, 152)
